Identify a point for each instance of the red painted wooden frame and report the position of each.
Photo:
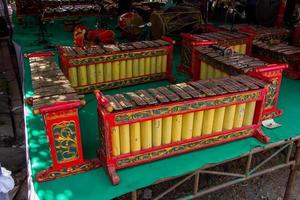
(107, 120)
(190, 42)
(293, 62)
(281, 33)
(65, 64)
(280, 17)
(271, 73)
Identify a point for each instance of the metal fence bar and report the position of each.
(221, 173)
(196, 183)
(269, 158)
(249, 162)
(288, 155)
(239, 180)
(174, 186)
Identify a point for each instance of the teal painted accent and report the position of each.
(65, 141)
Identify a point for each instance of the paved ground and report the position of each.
(12, 153)
(12, 150)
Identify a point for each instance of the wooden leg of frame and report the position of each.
(291, 184)
(171, 78)
(196, 183)
(110, 170)
(115, 179)
(261, 136)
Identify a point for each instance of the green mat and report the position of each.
(95, 184)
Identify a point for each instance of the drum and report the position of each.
(174, 21)
(129, 24)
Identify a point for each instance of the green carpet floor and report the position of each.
(95, 184)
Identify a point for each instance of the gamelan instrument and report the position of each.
(58, 103)
(282, 53)
(173, 21)
(260, 32)
(146, 125)
(130, 23)
(215, 62)
(113, 66)
(50, 9)
(239, 42)
(74, 10)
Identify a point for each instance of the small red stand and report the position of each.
(62, 127)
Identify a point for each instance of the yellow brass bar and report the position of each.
(224, 74)
(82, 76)
(239, 115)
(176, 128)
(122, 69)
(116, 70)
(208, 121)
(217, 73)
(99, 73)
(129, 66)
(147, 65)
(210, 72)
(142, 66)
(153, 65)
(158, 64)
(107, 71)
(198, 121)
(218, 119)
(135, 67)
(135, 137)
(249, 113)
(125, 139)
(236, 48)
(146, 134)
(91, 73)
(73, 76)
(187, 125)
(243, 49)
(157, 132)
(115, 141)
(229, 117)
(166, 130)
(203, 70)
